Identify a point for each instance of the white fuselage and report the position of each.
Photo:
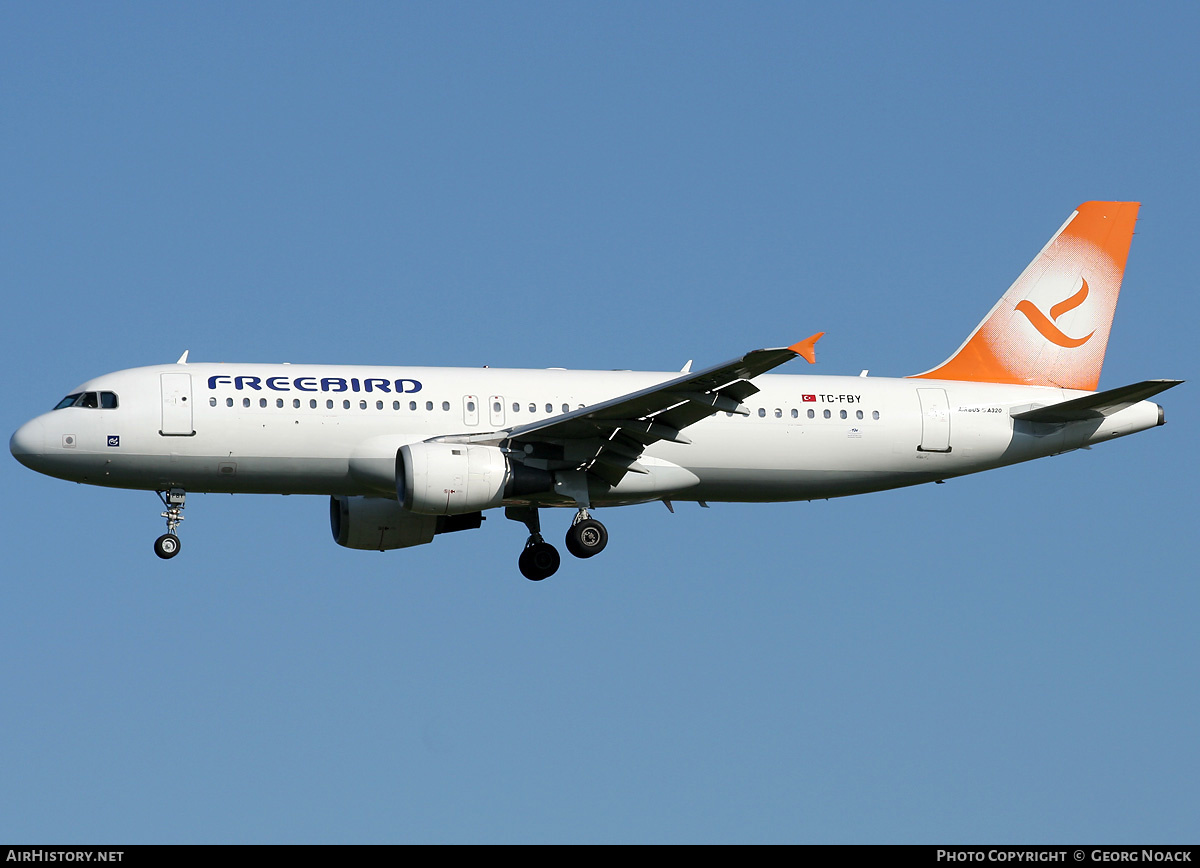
(335, 430)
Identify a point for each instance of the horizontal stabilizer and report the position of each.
(1097, 405)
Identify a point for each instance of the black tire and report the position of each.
(539, 561)
(587, 538)
(167, 546)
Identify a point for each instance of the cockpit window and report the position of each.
(91, 400)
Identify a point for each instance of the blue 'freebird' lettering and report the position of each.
(315, 384)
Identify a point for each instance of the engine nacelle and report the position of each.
(377, 523)
(380, 523)
(456, 478)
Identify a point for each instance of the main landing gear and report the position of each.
(586, 537)
(168, 545)
(540, 560)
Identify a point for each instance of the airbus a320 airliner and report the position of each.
(407, 453)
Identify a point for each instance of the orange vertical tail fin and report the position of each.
(1051, 327)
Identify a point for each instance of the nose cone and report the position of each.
(29, 443)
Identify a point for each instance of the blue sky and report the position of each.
(1010, 657)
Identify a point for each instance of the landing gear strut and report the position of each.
(586, 537)
(539, 560)
(168, 545)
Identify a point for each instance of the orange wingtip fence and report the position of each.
(807, 348)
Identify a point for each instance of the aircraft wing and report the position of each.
(607, 438)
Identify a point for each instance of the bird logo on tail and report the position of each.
(1046, 325)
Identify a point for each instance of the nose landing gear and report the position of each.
(168, 545)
